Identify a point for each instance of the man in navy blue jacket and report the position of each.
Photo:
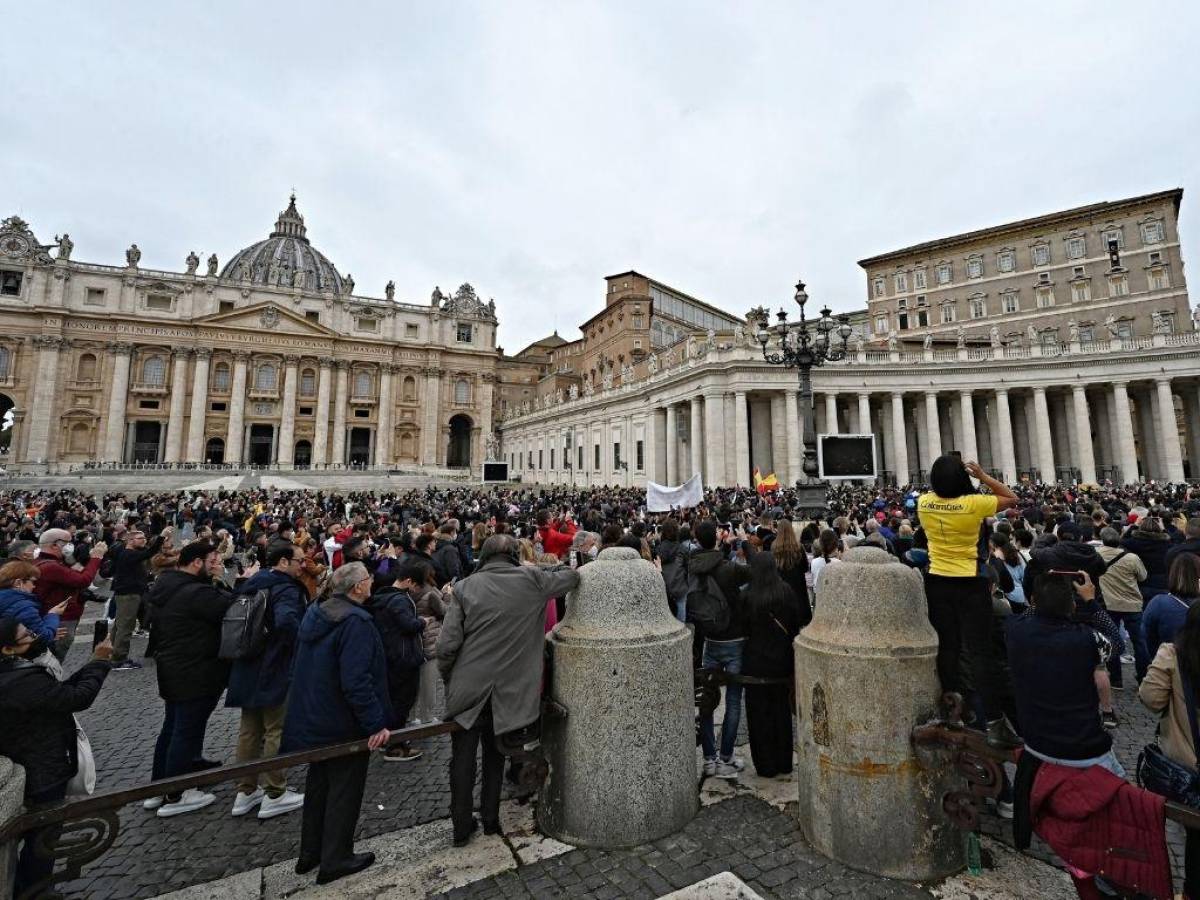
(339, 693)
(259, 686)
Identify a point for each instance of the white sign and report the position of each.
(660, 498)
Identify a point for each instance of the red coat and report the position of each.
(555, 540)
(1103, 825)
(58, 582)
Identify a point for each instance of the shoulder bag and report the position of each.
(1160, 774)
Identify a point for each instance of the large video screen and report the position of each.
(495, 471)
(846, 455)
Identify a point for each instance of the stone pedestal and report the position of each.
(623, 761)
(12, 799)
(865, 675)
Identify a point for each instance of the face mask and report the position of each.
(36, 649)
(68, 549)
(593, 551)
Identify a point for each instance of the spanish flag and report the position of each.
(765, 485)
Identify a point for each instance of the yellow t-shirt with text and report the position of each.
(952, 527)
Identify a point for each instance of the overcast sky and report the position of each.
(533, 148)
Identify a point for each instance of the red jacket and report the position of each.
(58, 582)
(1103, 825)
(556, 541)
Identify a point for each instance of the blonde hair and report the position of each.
(528, 554)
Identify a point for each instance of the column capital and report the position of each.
(182, 353)
(241, 356)
(49, 341)
(929, 392)
(1162, 379)
(1078, 388)
(389, 368)
(119, 348)
(1001, 390)
(966, 392)
(290, 360)
(202, 352)
(325, 362)
(341, 365)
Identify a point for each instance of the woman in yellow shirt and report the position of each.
(960, 601)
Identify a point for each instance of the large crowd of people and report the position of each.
(354, 606)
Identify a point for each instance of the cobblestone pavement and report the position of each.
(745, 835)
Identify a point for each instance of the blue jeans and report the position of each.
(723, 656)
(182, 737)
(1141, 653)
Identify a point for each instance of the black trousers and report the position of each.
(769, 721)
(32, 868)
(333, 793)
(402, 688)
(463, 747)
(960, 611)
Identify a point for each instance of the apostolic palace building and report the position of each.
(1057, 347)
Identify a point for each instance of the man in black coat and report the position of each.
(1190, 544)
(37, 726)
(188, 610)
(129, 582)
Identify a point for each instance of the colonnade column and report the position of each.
(383, 436)
(779, 436)
(831, 419)
(1191, 415)
(864, 413)
(1008, 448)
(430, 452)
(1168, 430)
(966, 406)
(933, 429)
(114, 435)
(286, 452)
(1122, 430)
(338, 445)
(899, 441)
(651, 427)
(174, 448)
(795, 440)
(237, 408)
(199, 411)
(741, 440)
(1045, 448)
(1083, 431)
(714, 421)
(320, 453)
(672, 445)
(696, 439)
(45, 387)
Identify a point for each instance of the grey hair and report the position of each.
(499, 545)
(16, 548)
(1110, 537)
(582, 537)
(347, 577)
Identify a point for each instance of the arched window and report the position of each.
(221, 377)
(362, 383)
(462, 391)
(264, 378)
(410, 389)
(5, 361)
(154, 371)
(308, 383)
(87, 368)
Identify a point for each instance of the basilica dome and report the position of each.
(286, 259)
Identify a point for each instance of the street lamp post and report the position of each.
(801, 345)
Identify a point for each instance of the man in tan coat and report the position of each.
(1123, 599)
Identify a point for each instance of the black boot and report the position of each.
(1001, 736)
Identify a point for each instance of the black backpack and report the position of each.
(676, 577)
(246, 626)
(108, 565)
(707, 604)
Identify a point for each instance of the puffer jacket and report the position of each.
(1151, 548)
(187, 611)
(25, 608)
(263, 681)
(431, 606)
(1068, 555)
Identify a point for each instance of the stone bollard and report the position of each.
(12, 802)
(623, 761)
(865, 675)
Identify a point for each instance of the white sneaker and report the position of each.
(737, 762)
(190, 801)
(152, 803)
(277, 806)
(710, 767)
(726, 770)
(243, 803)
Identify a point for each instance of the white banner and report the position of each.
(660, 498)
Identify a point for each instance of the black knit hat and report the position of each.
(8, 632)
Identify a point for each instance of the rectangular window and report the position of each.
(1159, 280)
(944, 273)
(1152, 232)
(219, 406)
(1076, 247)
(978, 308)
(1087, 335)
(306, 410)
(881, 324)
(1041, 254)
(540, 459)
(903, 320)
(641, 459)
(616, 455)
(463, 333)
(224, 306)
(1125, 330)
(362, 413)
(596, 467)
(922, 318)
(158, 302)
(919, 279)
(1045, 297)
(1006, 261)
(1011, 302)
(552, 459)
(1114, 234)
(312, 316)
(922, 300)
(1155, 256)
(579, 455)
(1118, 286)
(365, 323)
(147, 404)
(901, 281)
(10, 283)
(975, 267)
(947, 314)
(94, 297)
(1077, 272)
(410, 330)
(1081, 292)
(1168, 320)
(878, 286)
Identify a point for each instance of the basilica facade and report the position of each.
(270, 360)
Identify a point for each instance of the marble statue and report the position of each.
(273, 270)
(608, 381)
(1110, 324)
(960, 337)
(65, 246)
(739, 335)
(994, 336)
(1073, 331)
(212, 266)
(299, 279)
(588, 388)
(1032, 334)
(491, 307)
(858, 342)
(490, 446)
(349, 282)
(192, 262)
(652, 364)
(247, 272)
(928, 342)
(893, 342)
(711, 339)
(574, 392)
(133, 256)
(437, 296)
(389, 290)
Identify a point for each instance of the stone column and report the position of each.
(831, 417)
(114, 435)
(1004, 434)
(651, 446)
(237, 409)
(1083, 429)
(672, 445)
(988, 457)
(383, 436)
(966, 408)
(199, 408)
(338, 452)
(1168, 430)
(44, 397)
(795, 441)
(1191, 413)
(779, 436)
(865, 799)
(174, 448)
(714, 444)
(899, 440)
(485, 412)
(286, 453)
(741, 427)
(933, 433)
(1153, 467)
(696, 445)
(430, 432)
(623, 761)
(320, 453)
(1044, 447)
(864, 413)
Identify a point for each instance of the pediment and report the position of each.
(267, 317)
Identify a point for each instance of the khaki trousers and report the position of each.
(258, 738)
